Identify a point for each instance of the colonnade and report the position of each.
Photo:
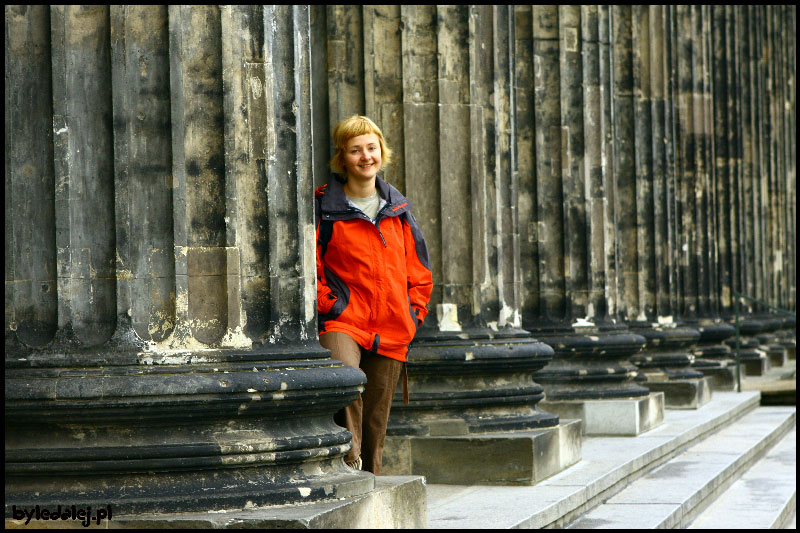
(595, 184)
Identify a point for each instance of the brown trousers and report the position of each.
(366, 418)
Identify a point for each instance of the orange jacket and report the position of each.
(373, 281)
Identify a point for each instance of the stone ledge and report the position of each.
(500, 458)
(628, 416)
(397, 502)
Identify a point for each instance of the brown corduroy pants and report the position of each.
(366, 418)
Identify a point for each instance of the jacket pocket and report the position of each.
(341, 291)
(413, 315)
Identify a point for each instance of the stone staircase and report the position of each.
(730, 463)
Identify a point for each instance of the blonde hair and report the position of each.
(353, 127)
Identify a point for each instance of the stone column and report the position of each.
(383, 81)
(471, 366)
(31, 291)
(572, 304)
(713, 356)
(665, 360)
(438, 83)
(753, 358)
(768, 202)
(695, 222)
(168, 351)
(785, 183)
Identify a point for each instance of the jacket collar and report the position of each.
(334, 201)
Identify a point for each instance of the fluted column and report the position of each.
(712, 356)
(666, 355)
(746, 190)
(572, 305)
(785, 182)
(170, 350)
(471, 362)
(31, 292)
(710, 351)
(768, 135)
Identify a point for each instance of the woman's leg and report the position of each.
(343, 348)
(382, 375)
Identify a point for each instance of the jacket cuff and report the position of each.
(420, 313)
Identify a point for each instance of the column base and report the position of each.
(395, 503)
(756, 366)
(777, 355)
(791, 349)
(683, 393)
(196, 431)
(628, 416)
(723, 378)
(502, 458)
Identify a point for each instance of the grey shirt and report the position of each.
(370, 206)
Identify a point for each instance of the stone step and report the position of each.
(672, 495)
(763, 498)
(608, 465)
(397, 502)
(778, 386)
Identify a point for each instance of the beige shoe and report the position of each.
(355, 465)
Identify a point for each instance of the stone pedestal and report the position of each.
(768, 340)
(755, 362)
(682, 393)
(786, 336)
(191, 431)
(712, 356)
(775, 352)
(722, 374)
(753, 359)
(665, 364)
(495, 458)
(590, 379)
(590, 363)
(623, 417)
(472, 403)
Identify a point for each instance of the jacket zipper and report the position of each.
(377, 223)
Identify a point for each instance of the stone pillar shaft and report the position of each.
(170, 349)
(578, 196)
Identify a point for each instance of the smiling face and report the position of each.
(361, 157)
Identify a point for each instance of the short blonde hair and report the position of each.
(353, 127)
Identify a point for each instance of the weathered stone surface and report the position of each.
(472, 385)
(624, 416)
(683, 393)
(497, 458)
(398, 502)
(184, 371)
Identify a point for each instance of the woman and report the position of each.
(373, 279)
